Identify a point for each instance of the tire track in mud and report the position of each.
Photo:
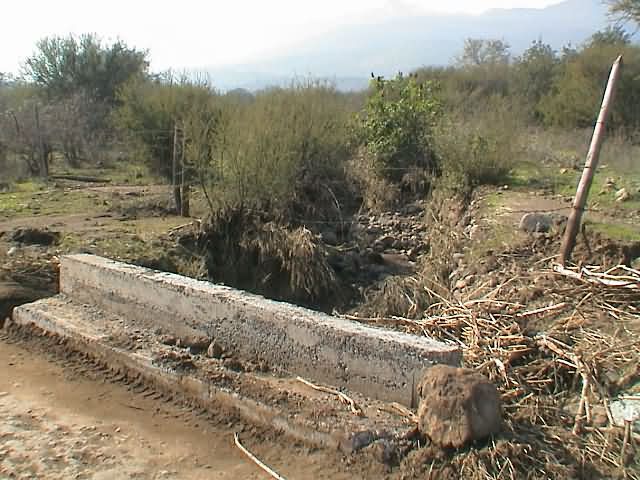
(291, 459)
(80, 364)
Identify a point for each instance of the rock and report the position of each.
(214, 350)
(386, 241)
(195, 344)
(460, 284)
(12, 251)
(168, 340)
(233, 364)
(382, 451)
(34, 236)
(541, 222)
(623, 195)
(457, 406)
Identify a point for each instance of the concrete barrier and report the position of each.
(378, 363)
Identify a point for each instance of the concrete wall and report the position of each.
(379, 363)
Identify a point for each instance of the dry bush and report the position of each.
(282, 152)
(377, 192)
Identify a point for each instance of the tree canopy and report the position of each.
(67, 65)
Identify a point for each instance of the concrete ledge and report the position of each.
(279, 403)
(378, 363)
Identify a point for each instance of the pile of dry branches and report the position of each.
(558, 366)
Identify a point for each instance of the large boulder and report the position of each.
(457, 406)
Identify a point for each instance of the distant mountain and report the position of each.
(349, 54)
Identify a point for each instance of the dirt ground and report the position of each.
(58, 424)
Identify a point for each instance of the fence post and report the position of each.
(44, 162)
(573, 225)
(186, 186)
(174, 180)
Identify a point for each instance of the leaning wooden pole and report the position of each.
(573, 225)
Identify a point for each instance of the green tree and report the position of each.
(398, 122)
(84, 64)
(577, 92)
(533, 74)
(615, 35)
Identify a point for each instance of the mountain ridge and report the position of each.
(348, 54)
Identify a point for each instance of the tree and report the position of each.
(72, 65)
(479, 51)
(397, 125)
(615, 35)
(625, 10)
(577, 92)
(534, 73)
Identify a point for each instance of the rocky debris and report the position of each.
(622, 195)
(380, 246)
(34, 236)
(457, 406)
(542, 222)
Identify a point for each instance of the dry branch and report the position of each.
(256, 460)
(355, 409)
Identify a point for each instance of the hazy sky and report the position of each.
(196, 33)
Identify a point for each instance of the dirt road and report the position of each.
(57, 424)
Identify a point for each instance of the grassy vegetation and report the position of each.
(615, 230)
(50, 201)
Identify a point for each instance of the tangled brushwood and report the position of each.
(252, 252)
(561, 364)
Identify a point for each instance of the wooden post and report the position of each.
(183, 179)
(44, 163)
(176, 184)
(573, 225)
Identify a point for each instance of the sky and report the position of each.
(195, 33)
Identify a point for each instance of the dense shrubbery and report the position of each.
(555, 89)
(300, 152)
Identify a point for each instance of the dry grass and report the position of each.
(248, 251)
